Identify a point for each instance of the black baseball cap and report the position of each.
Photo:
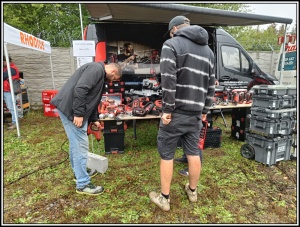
(177, 21)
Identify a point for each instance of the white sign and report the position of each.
(83, 60)
(83, 48)
(19, 38)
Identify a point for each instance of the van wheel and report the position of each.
(247, 151)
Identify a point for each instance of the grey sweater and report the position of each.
(81, 94)
(187, 72)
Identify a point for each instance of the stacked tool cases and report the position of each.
(272, 121)
(115, 87)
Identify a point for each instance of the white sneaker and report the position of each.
(192, 195)
(160, 201)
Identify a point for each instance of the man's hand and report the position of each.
(166, 118)
(97, 123)
(131, 58)
(78, 121)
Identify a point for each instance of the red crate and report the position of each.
(50, 110)
(47, 95)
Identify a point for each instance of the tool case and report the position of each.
(274, 114)
(273, 90)
(271, 127)
(274, 102)
(269, 150)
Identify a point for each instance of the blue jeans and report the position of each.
(78, 147)
(10, 105)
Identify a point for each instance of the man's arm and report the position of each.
(168, 71)
(13, 73)
(211, 88)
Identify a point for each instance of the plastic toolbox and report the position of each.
(274, 102)
(271, 127)
(113, 126)
(274, 114)
(291, 90)
(267, 150)
(114, 142)
(273, 90)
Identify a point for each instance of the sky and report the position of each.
(287, 10)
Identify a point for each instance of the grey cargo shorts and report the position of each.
(187, 127)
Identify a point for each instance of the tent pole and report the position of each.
(11, 88)
(52, 72)
(283, 56)
(81, 21)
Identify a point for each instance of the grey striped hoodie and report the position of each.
(187, 72)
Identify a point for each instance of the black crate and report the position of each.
(213, 137)
(114, 142)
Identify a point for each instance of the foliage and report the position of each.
(60, 24)
(57, 23)
(39, 188)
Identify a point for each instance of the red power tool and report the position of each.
(93, 129)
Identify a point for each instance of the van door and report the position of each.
(234, 67)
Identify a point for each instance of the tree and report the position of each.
(57, 23)
(60, 23)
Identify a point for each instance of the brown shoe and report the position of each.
(13, 126)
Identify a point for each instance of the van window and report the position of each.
(234, 60)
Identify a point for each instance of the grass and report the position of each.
(38, 185)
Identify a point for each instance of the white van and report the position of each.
(289, 72)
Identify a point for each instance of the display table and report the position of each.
(114, 131)
(114, 127)
(228, 106)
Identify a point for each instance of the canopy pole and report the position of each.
(12, 89)
(283, 56)
(52, 72)
(81, 21)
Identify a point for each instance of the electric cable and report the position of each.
(40, 168)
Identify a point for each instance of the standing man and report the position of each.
(127, 60)
(188, 86)
(15, 75)
(77, 104)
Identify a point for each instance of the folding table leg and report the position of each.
(223, 118)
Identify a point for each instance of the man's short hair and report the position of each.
(126, 44)
(4, 58)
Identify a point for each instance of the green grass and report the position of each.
(38, 185)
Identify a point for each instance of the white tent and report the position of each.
(20, 38)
